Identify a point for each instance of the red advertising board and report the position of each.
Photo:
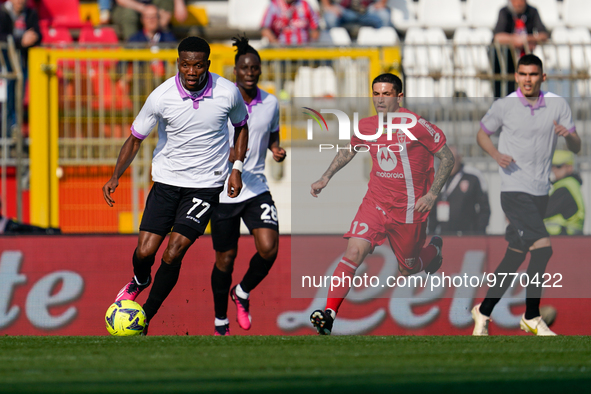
(63, 285)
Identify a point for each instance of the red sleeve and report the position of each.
(429, 135)
(312, 17)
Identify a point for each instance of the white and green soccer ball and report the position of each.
(125, 318)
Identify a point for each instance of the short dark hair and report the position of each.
(194, 44)
(243, 47)
(530, 60)
(389, 78)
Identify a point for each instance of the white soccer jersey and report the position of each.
(193, 142)
(263, 119)
(527, 135)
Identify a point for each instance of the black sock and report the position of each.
(509, 264)
(535, 271)
(220, 285)
(142, 267)
(257, 271)
(164, 281)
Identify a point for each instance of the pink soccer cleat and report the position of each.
(131, 290)
(242, 314)
(222, 331)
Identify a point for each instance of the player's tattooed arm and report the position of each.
(344, 156)
(425, 203)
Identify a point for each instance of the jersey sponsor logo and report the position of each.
(427, 126)
(386, 159)
(395, 175)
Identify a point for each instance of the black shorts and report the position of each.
(526, 218)
(184, 210)
(256, 212)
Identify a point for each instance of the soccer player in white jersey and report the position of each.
(530, 122)
(254, 205)
(189, 166)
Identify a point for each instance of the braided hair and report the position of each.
(243, 47)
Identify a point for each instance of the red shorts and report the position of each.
(373, 225)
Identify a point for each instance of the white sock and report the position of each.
(241, 293)
(138, 282)
(333, 314)
(221, 322)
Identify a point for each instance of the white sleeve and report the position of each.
(147, 118)
(566, 117)
(493, 119)
(274, 126)
(238, 114)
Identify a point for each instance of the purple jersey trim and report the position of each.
(241, 123)
(136, 134)
(487, 131)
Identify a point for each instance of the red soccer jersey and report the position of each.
(402, 170)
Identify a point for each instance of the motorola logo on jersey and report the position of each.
(386, 159)
(407, 122)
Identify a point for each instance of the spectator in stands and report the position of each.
(519, 25)
(565, 214)
(22, 23)
(105, 11)
(151, 31)
(126, 14)
(374, 13)
(9, 226)
(462, 205)
(290, 22)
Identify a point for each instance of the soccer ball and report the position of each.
(125, 318)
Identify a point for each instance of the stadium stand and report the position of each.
(63, 13)
(55, 35)
(577, 13)
(384, 36)
(98, 35)
(483, 13)
(340, 36)
(549, 13)
(446, 14)
(404, 14)
(247, 15)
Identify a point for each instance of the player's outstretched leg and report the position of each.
(323, 321)
(480, 322)
(536, 326)
(141, 279)
(433, 266)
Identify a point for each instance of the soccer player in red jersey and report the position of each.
(401, 191)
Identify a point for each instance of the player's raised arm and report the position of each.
(240, 147)
(343, 157)
(128, 152)
(573, 141)
(425, 203)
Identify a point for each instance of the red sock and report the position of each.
(427, 255)
(345, 269)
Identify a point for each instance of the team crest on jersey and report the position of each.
(401, 137)
(386, 159)
(410, 262)
(427, 126)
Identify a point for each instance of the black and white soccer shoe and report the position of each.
(323, 321)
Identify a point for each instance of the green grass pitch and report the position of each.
(294, 364)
